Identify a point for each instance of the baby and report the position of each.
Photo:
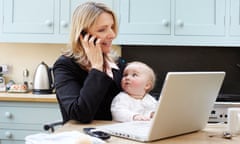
(135, 102)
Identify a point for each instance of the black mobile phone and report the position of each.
(83, 33)
(96, 133)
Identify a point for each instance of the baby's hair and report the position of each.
(149, 69)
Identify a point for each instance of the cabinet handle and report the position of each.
(64, 24)
(8, 134)
(48, 23)
(180, 23)
(165, 22)
(8, 115)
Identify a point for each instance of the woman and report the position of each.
(86, 77)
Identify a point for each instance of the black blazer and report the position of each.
(85, 96)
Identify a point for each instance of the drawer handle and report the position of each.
(180, 23)
(48, 23)
(165, 23)
(64, 24)
(8, 134)
(8, 115)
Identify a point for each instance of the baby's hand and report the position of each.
(139, 117)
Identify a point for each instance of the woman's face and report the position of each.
(103, 29)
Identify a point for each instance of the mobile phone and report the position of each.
(83, 33)
(96, 133)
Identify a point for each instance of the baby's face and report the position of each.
(135, 80)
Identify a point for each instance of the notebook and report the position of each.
(184, 105)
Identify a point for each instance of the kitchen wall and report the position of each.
(21, 56)
(190, 58)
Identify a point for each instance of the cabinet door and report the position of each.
(28, 16)
(235, 17)
(65, 17)
(145, 17)
(201, 17)
(1, 17)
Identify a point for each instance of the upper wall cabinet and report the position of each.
(205, 17)
(202, 17)
(29, 16)
(38, 21)
(145, 17)
(145, 22)
(235, 18)
(30, 21)
(172, 22)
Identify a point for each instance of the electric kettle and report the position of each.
(43, 80)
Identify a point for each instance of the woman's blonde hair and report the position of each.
(84, 17)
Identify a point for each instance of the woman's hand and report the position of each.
(93, 52)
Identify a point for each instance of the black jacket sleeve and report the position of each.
(82, 95)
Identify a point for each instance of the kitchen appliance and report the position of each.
(43, 80)
(219, 112)
(3, 70)
(2, 84)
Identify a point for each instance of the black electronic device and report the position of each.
(96, 133)
(83, 33)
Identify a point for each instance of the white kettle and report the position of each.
(43, 80)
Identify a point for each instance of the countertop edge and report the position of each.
(27, 97)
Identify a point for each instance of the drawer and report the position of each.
(12, 142)
(29, 115)
(25, 126)
(7, 134)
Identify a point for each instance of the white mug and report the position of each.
(234, 120)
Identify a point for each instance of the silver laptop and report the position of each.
(184, 106)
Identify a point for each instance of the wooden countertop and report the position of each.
(28, 97)
(212, 134)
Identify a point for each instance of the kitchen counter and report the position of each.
(28, 97)
(212, 134)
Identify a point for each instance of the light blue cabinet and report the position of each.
(29, 16)
(176, 17)
(1, 19)
(145, 22)
(64, 17)
(172, 22)
(19, 119)
(34, 21)
(235, 18)
(38, 21)
(201, 17)
(145, 17)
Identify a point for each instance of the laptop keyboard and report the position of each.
(128, 129)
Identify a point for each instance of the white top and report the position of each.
(124, 107)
